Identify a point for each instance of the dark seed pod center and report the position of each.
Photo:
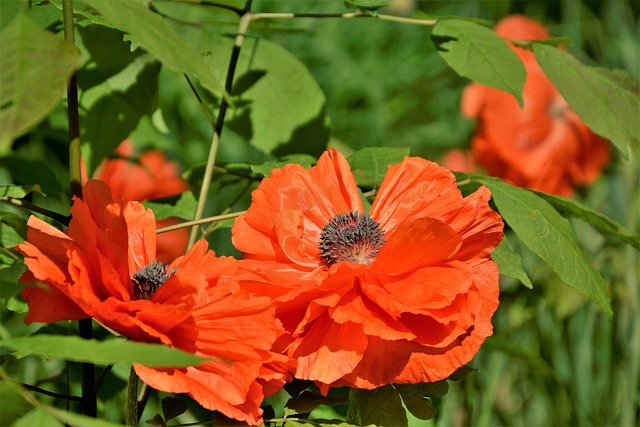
(149, 278)
(353, 237)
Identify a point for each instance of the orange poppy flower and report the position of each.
(545, 145)
(150, 177)
(403, 293)
(104, 267)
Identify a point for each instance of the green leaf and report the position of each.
(184, 207)
(543, 230)
(480, 54)
(13, 405)
(381, 406)
(18, 191)
(461, 373)
(102, 352)
(416, 404)
(309, 401)
(510, 263)
(367, 6)
(418, 14)
(37, 418)
(148, 30)
(553, 41)
(28, 54)
(305, 160)
(573, 209)
(374, 161)
(607, 100)
(283, 108)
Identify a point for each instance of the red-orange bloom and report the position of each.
(104, 267)
(149, 177)
(403, 293)
(545, 145)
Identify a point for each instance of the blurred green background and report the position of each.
(554, 358)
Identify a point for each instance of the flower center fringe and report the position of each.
(351, 237)
(149, 279)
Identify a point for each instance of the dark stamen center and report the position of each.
(149, 279)
(353, 237)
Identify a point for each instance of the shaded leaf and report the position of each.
(18, 191)
(369, 7)
(543, 230)
(478, 53)
(510, 263)
(419, 406)
(461, 373)
(381, 406)
(13, 405)
(434, 389)
(309, 401)
(573, 209)
(102, 352)
(28, 53)
(157, 420)
(36, 418)
(607, 100)
(173, 407)
(148, 30)
(374, 161)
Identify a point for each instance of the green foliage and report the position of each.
(101, 352)
(607, 100)
(543, 230)
(183, 208)
(480, 54)
(510, 263)
(373, 163)
(381, 406)
(28, 53)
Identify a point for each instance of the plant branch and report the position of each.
(132, 399)
(349, 15)
(199, 222)
(51, 393)
(46, 212)
(243, 25)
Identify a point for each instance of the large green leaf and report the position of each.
(381, 406)
(279, 105)
(149, 31)
(480, 54)
(573, 209)
(18, 191)
(510, 263)
(184, 207)
(607, 100)
(374, 161)
(35, 66)
(102, 352)
(543, 230)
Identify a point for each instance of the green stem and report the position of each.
(243, 26)
(46, 212)
(207, 220)
(132, 399)
(349, 15)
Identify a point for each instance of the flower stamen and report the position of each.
(352, 237)
(149, 278)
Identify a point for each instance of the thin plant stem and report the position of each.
(64, 220)
(243, 25)
(85, 326)
(132, 399)
(51, 393)
(201, 221)
(350, 15)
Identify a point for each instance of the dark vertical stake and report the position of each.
(85, 326)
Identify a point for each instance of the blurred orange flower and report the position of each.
(401, 294)
(545, 145)
(104, 267)
(149, 177)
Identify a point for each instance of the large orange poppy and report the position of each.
(150, 176)
(545, 145)
(104, 267)
(402, 293)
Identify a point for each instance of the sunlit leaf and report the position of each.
(13, 405)
(381, 406)
(480, 54)
(543, 230)
(148, 30)
(265, 169)
(184, 207)
(374, 161)
(571, 208)
(18, 191)
(510, 263)
(36, 418)
(607, 100)
(35, 66)
(102, 352)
